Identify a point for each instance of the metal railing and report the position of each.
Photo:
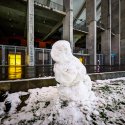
(99, 24)
(42, 55)
(80, 25)
(123, 60)
(80, 50)
(84, 58)
(100, 59)
(50, 4)
(104, 68)
(43, 63)
(57, 6)
(17, 70)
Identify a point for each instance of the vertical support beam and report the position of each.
(30, 71)
(68, 22)
(3, 55)
(116, 29)
(30, 32)
(3, 62)
(122, 31)
(106, 35)
(91, 36)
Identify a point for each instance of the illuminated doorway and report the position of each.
(14, 69)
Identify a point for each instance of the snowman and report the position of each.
(70, 73)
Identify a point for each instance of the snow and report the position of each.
(108, 81)
(45, 107)
(18, 80)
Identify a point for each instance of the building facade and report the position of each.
(28, 28)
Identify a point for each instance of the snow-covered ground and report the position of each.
(42, 106)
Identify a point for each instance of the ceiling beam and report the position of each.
(14, 4)
(54, 29)
(46, 21)
(51, 15)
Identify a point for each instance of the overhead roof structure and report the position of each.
(13, 15)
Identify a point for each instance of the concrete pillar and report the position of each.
(68, 22)
(3, 56)
(30, 39)
(3, 62)
(115, 25)
(106, 35)
(122, 31)
(91, 36)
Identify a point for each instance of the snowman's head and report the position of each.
(61, 51)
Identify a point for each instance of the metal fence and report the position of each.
(84, 58)
(42, 56)
(50, 4)
(100, 59)
(104, 68)
(13, 62)
(99, 24)
(123, 60)
(80, 25)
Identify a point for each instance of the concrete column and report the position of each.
(91, 36)
(30, 32)
(68, 22)
(106, 35)
(115, 25)
(122, 31)
(3, 62)
(30, 39)
(3, 56)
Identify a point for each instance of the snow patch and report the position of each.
(44, 107)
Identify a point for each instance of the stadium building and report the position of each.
(28, 29)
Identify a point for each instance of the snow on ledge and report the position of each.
(18, 80)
